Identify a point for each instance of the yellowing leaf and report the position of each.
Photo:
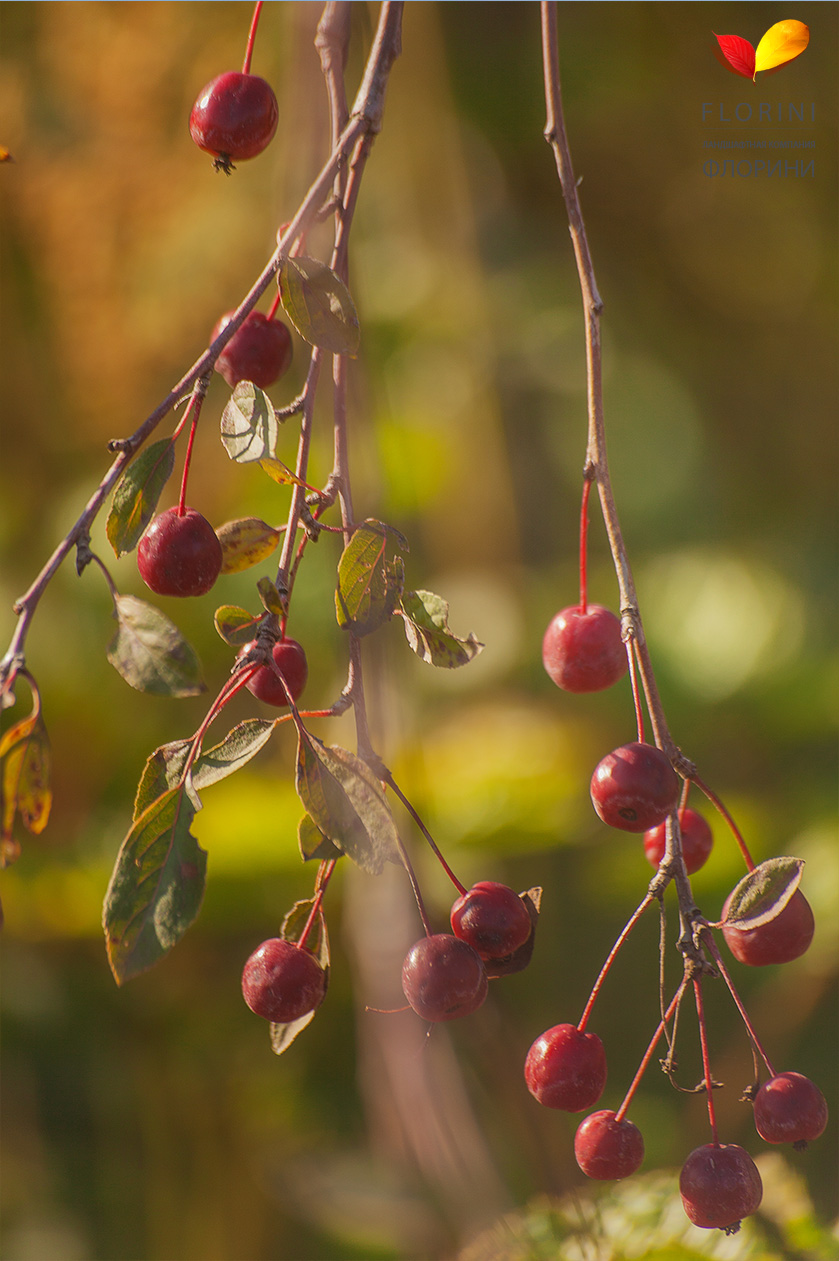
(245, 542)
(781, 43)
(280, 472)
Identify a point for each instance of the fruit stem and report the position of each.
(636, 691)
(724, 973)
(588, 477)
(604, 971)
(386, 775)
(274, 307)
(706, 1061)
(715, 800)
(403, 853)
(246, 65)
(648, 1054)
(325, 871)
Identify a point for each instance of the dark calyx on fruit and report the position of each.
(234, 118)
(179, 555)
(282, 981)
(259, 351)
(443, 978)
(583, 651)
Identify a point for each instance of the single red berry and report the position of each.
(782, 939)
(697, 840)
(634, 787)
(790, 1108)
(260, 350)
(566, 1068)
(179, 555)
(606, 1148)
(282, 981)
(584, 652)
(443, 978)
(492, 918)
(720, 1185)
(290, 660)
(234, 118)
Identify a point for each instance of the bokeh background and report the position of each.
(154, 1122)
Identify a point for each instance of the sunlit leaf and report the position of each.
(235, 625)
(136, 495)
(319, 306)
(165, 767)
(346, 803)
(312, 842)
(156, 888)
(249, 426)
(426, 626)
(737, 54)
(25, 764)
(764, 892)
(280, 473)
(781, 43)
(271, 599)
(369, 582)
(245, 543)
(150, 652)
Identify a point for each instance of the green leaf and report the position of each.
(764, 892)
(271, 599)
(156, 888)
(245, 543)
(282, 1035)
(312, 842)
(319, 306)
(25, 765)
(369, 584)
(165, 767)
(249, 426)
(150, 652)
(427, 630)
(136, 495)
(235, 625)
(346, 803)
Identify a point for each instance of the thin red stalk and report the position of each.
(584, 544)
(636, 691)
(246, 66)
(391, 782)
(706, 1060)
(648, 1054)
(324, 875)
(187, 462)
(274, 307)
(715, 800)
(708, 938)
(604, 971)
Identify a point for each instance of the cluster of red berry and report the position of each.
(635, 789)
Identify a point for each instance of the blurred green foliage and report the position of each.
(154, 1122)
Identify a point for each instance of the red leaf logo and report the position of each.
(736, 54)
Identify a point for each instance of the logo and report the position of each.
(781, 43)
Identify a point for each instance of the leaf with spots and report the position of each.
(427, 629)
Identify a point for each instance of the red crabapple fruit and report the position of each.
(290, 660)
(179, 555)
(259, 351)
(780, 940)
(234, 117)
(790, 1108)
(443, 978)
(697, 840)
(634, 787)
(607, 1148)
(566, 1068)
(282, 981)
(492, 918)
(720, 1185)
(583, 651)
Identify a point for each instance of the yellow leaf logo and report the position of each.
(781, 43)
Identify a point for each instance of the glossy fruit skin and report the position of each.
(782, 939)
(235, 117)
(259, 351)
(290, 659)
(566, 1069)
(179, 555)
(697, 841)
(443, 978)
(605, 1148)
(492, 918)
(720, 1185)
(282, 982)
(790, 1108)
(584, 652)
(634, 787)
